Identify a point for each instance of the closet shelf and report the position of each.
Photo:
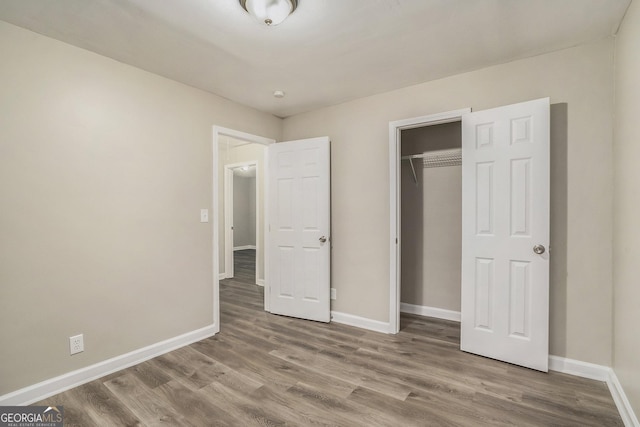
(438, 158)
(435, 159)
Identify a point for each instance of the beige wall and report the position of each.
(244, 210)
(431, 237)
(626, 235)
(431, 221)
(230, 155)
(103, 171)
(581, 291)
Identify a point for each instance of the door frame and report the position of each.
(395, 129)
(218, 132)
(229, 177)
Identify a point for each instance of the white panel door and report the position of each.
(505, 234)
(299, 224)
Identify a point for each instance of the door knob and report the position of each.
(322, 239)
(539, 249)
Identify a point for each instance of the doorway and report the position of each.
(231, 146)
(505, 230)
(243, 213)
(395, 167)
(431, 220)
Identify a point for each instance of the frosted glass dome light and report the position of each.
(271, 12)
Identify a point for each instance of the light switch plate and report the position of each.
(204, 215)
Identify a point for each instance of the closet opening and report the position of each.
(431, 220)
(425, 177)
(495, 240)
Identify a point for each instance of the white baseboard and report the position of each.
(260, 282)
(438, 313)
(242, 248)
(360, 322)
(620, 398)
(599, 373)
(50, 387)
(222, 276)
(578, 368)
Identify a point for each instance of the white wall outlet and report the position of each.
(334, 294)
(204, 215)
(76, 344)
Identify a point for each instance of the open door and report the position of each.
(505, 234)
(298, 211)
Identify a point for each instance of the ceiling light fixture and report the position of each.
(271, 12)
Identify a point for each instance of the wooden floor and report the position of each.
(265, 370)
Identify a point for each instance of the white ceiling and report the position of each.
(327, 51)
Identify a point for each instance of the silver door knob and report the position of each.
(539, 249)
(322, 239)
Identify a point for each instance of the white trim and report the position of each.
(227, 183)
(243, 248)
(267, 234)
(217, 132)
(395, 128)
(360, 322)
(579, 368)
(261, 250)
(50, 387)
(598, 373)
(260, 282)
(222, 276)
(438, 313)
(622, 403)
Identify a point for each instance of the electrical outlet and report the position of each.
(334, 294)
(76, 344)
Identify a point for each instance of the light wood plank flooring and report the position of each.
(268, 370)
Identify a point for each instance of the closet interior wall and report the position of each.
(431, 221)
